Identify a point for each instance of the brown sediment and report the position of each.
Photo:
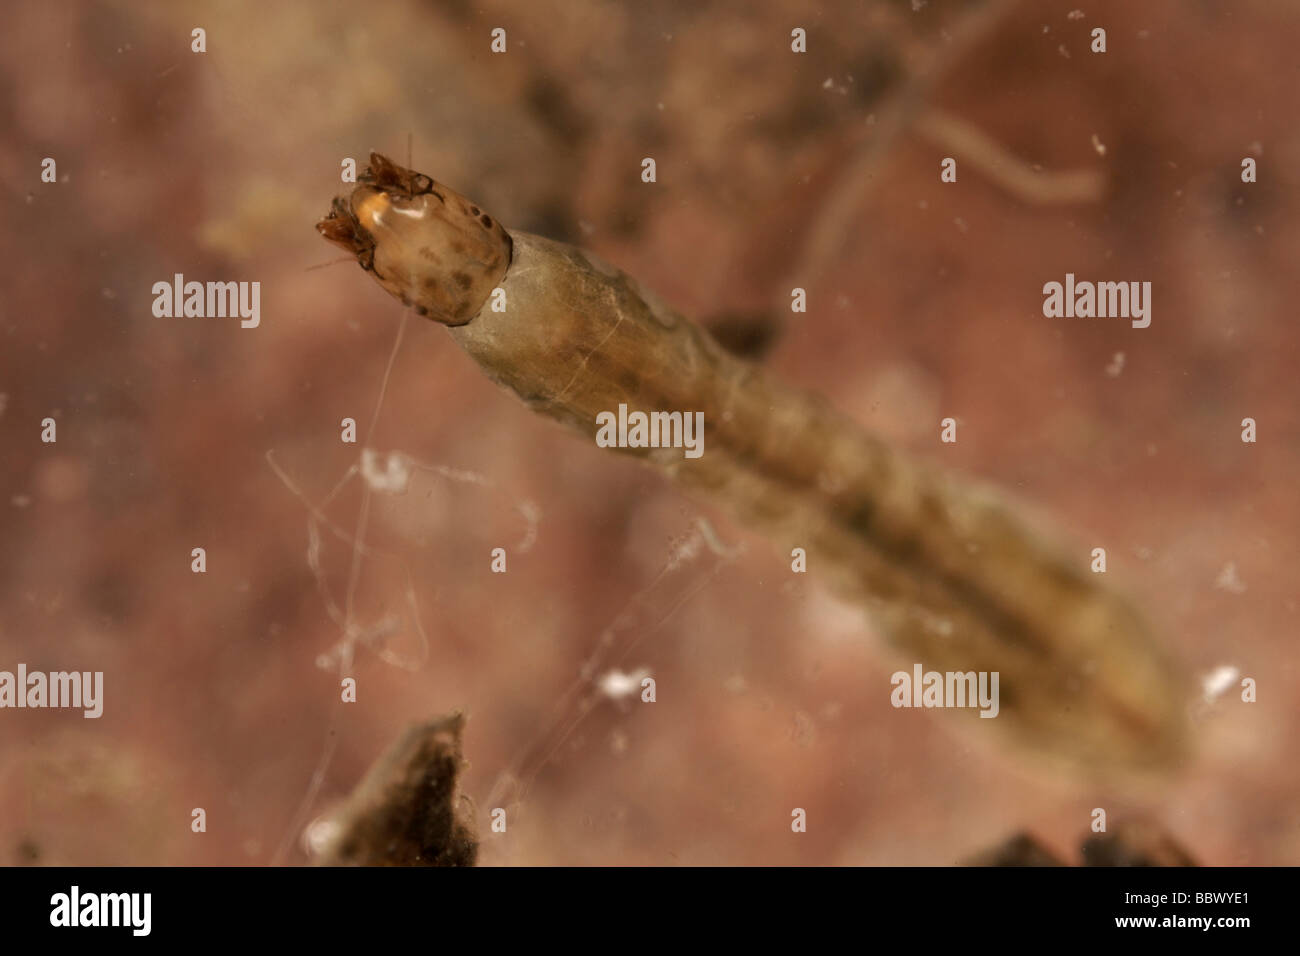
(408, 811)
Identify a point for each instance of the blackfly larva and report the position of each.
(955, 578)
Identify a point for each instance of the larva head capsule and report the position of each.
(429, 246)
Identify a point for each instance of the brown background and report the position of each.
(771, 695)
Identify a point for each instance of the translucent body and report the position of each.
(955, 579)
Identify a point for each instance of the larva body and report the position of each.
(953, 578)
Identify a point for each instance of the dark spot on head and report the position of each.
(462, 279)
(486, 220)
(421, 310)
(458, 247)
(474, 210)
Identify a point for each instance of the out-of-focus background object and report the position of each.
(775, 169)
(407, 811)
(1129, 843)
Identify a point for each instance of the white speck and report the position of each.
(832, 620)
(828, 84)
(318, 835)
(1098, 145)
(615, 684)
(394, 477)
(1229, 581)
(1216, 682)
(533, 516)
(1074, 15)
(1116, 365)
(1063, 51)
(20, 501)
